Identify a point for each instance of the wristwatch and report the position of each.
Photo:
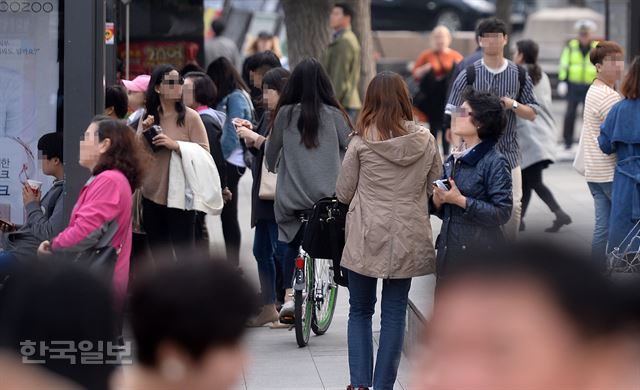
(515, 105)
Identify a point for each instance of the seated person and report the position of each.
(44, 216)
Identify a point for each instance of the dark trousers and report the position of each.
(575, 97)
(168, 228)
(288, 260)
(229, 216)
(532, 181)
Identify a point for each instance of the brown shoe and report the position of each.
(267, 315)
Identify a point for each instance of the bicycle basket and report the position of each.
(625, 258)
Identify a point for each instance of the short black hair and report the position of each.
(198, 304)
(263, 61)
(45, 301)
(347, 10)
(491, 25)
(190, 68)
(218, 27)
(592, 302)
(488, 113)
(52, 145)
(204, 90)
(116, 96)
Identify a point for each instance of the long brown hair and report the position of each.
(125, 153)
(386, 107)
(631, 85)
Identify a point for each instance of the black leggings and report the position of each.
(532, 181)
(230, 225)
(168, 228)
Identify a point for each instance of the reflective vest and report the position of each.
(576, 67)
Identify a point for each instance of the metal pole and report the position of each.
(606, 19)
(126, 44)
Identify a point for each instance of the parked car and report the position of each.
(424, 15)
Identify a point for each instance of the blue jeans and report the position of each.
(362, 302)
(264, 250)
(601, 193)
(291, 251)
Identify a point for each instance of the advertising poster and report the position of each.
(28, 95)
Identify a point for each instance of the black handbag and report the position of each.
(101, 258)
(324, 235)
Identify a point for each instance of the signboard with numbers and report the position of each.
(29, 78)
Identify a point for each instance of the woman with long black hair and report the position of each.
(309, 137)
(233, 99)
(537, 138)
(167, 227)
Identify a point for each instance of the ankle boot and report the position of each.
(561, 219)
(267, 315)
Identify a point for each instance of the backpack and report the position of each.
(522, 78)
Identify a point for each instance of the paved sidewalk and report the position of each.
(278, 363)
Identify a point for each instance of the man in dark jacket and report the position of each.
(45, 217)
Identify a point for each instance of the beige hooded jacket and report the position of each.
(387, 185)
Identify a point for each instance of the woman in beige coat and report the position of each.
(386, 180)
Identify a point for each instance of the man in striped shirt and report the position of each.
(494, 73)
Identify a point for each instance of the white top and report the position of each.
(237, 158)
(599, 167)
(501, 69)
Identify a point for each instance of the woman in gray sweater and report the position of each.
(309, 137)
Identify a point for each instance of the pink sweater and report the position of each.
(105, 197)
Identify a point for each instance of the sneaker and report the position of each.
(287, 312)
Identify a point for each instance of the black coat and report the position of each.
(260, 209)
(484, 178)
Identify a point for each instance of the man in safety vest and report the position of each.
(575, 74)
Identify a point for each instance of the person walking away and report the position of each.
(309, 133)
(389, 158)
(342, 59)
(619, 134)
(265, 244)
(221, 46)
(110, 151)
(199, 93)
(495, 74)
(537, 138)
(136, 90)
(599, 168)
(575, 74)
(233, 99)
(167, 228)
(479, 198)
(433, 70)
(45, 217)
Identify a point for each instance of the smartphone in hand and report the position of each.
(150, 134)
(442, 184)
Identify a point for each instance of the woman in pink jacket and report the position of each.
(110, 151)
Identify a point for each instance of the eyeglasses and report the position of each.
(173, 81)
(462, 112)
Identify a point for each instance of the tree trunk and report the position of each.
(307, 23)
(308, 32)
(503, 11)
(362, 28)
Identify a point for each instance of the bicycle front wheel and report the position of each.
(325, 296)
(303, 308)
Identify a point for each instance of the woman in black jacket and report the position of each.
(199, 92)
(479, 199)
(262, 216)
